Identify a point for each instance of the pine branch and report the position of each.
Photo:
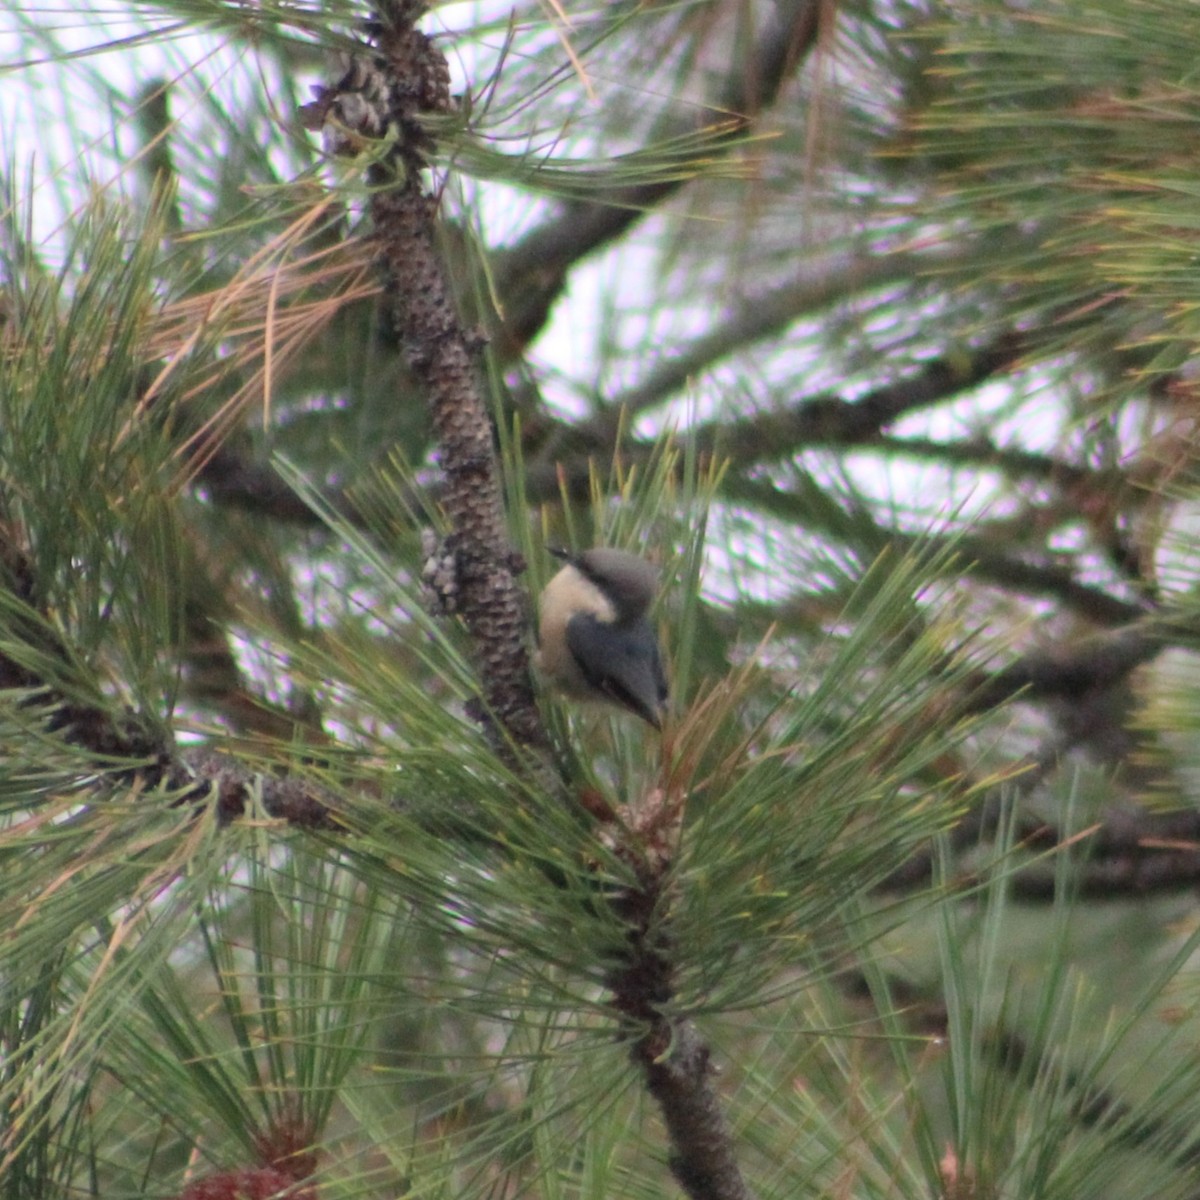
(231, 477)
(128, 747)
(1011, 461)
(77, 722)
(390, 92)
(1071, 672)
(1130, 853)
(680, 1079)
(155, 127)
(977, 558)
(1047, 579)
(759, 318)
(769, 436)
(1143, 871)
(531, 276)
(674, 1058)
(408, 78)
(832, 421)
(234, 788)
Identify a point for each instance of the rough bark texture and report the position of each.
(674, 1058)
(387, 94)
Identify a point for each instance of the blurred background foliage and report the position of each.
(874, 323)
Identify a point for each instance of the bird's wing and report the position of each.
(622, 662)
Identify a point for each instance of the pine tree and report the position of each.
(871, 325)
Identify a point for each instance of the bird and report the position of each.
(595, 638)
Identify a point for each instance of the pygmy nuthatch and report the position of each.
(596, 641)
